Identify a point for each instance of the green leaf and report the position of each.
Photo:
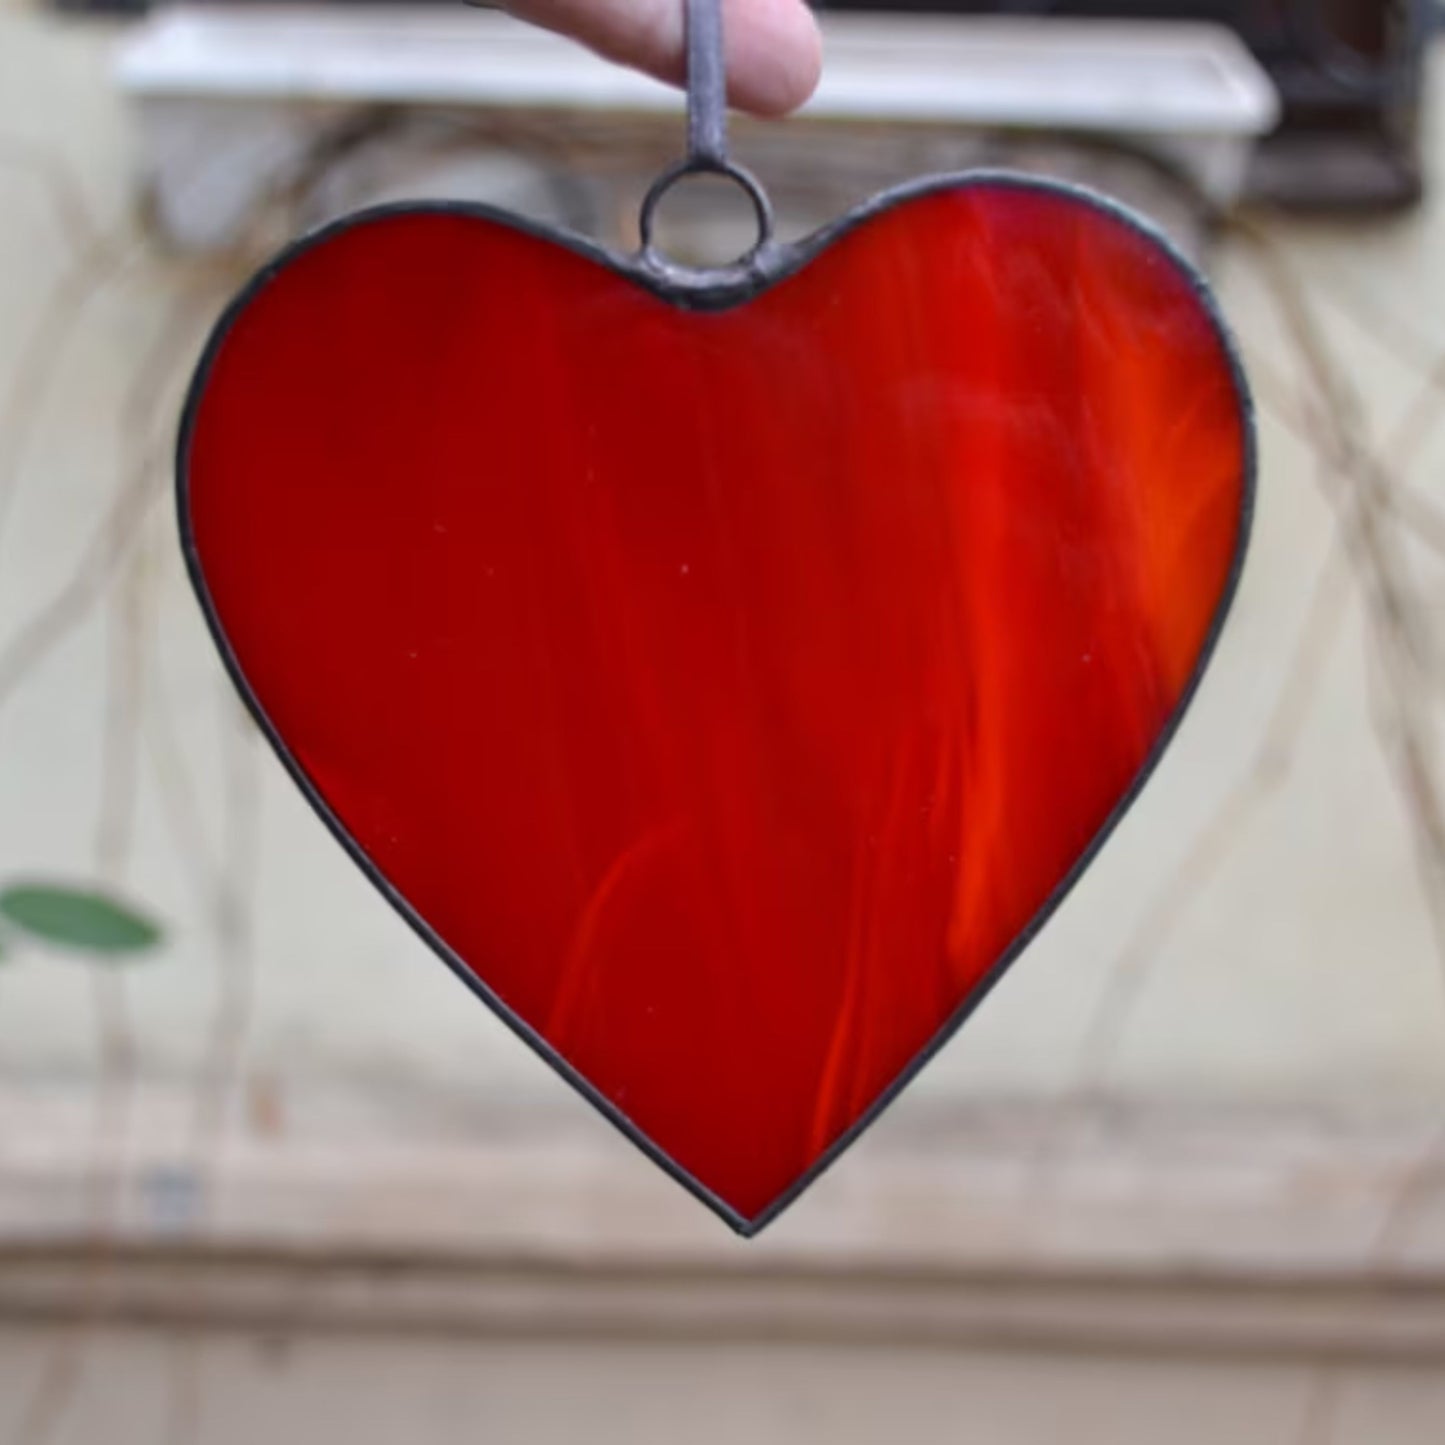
(77, 918)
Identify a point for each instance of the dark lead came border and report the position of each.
(717, 290)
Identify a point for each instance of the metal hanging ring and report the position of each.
(693, 166)
(707, 140)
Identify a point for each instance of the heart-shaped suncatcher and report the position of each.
(726, 672)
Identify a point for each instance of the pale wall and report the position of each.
(1302, 969)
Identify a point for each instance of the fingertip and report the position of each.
(774, 50)
(775, 55)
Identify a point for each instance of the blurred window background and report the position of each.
(265, 1166)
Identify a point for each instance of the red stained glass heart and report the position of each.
(727, 693)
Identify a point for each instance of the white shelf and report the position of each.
(1134, 76)
(232, 97)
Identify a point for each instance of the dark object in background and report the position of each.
(1350, 73)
